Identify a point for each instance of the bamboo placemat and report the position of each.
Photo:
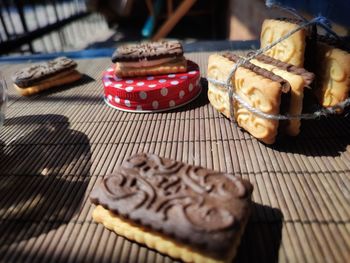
(56, 146)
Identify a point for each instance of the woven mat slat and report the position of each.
(56, 146)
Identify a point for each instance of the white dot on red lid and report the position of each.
(155, 104)
(129, 81)
(139, 107)
(183, 77)
(190, 87)
(117, 78)
(143, 95)
(117, 99)
(109, 98)
(174, 82)
(140, 83)
(118, 85)
(127, 103)
(171, 75)
(164, 91)
(129, 88)
(181, 94)
(192, 72)
(162, 80)
(171, 103)
(152, 85)
(108, 83)
(110, 69)
(150, 78)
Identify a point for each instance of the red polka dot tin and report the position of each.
(152, 93)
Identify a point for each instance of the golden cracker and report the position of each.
(155, 240)
(290, 50)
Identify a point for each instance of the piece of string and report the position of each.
(319, 20)
(323, 112)
(325, 23)
(275, 4)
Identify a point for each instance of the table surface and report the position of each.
(55, 147)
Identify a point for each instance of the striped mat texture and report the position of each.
(55, 147)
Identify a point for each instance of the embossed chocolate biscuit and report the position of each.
(38, 72)
(147, 51)
(194, 208)
(149, 58)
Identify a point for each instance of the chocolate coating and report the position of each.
(260, 71)
(306, 75)
(190, 204)
(148, 51)
(38, 72)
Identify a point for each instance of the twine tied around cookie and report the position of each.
(230, 86)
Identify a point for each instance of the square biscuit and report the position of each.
(332, 69)
(290, 50)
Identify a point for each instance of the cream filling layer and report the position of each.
(145, 63)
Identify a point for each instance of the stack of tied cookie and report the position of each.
(151, 76)
(274, 82)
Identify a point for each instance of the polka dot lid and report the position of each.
(152, 93)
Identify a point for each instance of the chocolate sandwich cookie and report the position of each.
(38, 77)
(148, 51)
(149, 58)
(185, 211)
(298, 78)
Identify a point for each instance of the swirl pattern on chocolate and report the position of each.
(148, 51)
(35, 73)
(189, 203)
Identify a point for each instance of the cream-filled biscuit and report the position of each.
(187, 212)
(39, 77)
(149, 58)
(298, 78)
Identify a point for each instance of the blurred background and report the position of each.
(46, 26)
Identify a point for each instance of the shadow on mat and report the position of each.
(44, 173)
(324, 137)
(262, 238)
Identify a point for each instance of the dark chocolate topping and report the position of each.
(290, 20)
(306, 75)
(148, 51)
(190, 204)
(260, 71)
(38, 72)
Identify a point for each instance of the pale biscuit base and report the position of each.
(57, 80)
(297, 84)
(260, 92)
(333, 75)
(290, 50)
(155, 240)
(170, 67)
